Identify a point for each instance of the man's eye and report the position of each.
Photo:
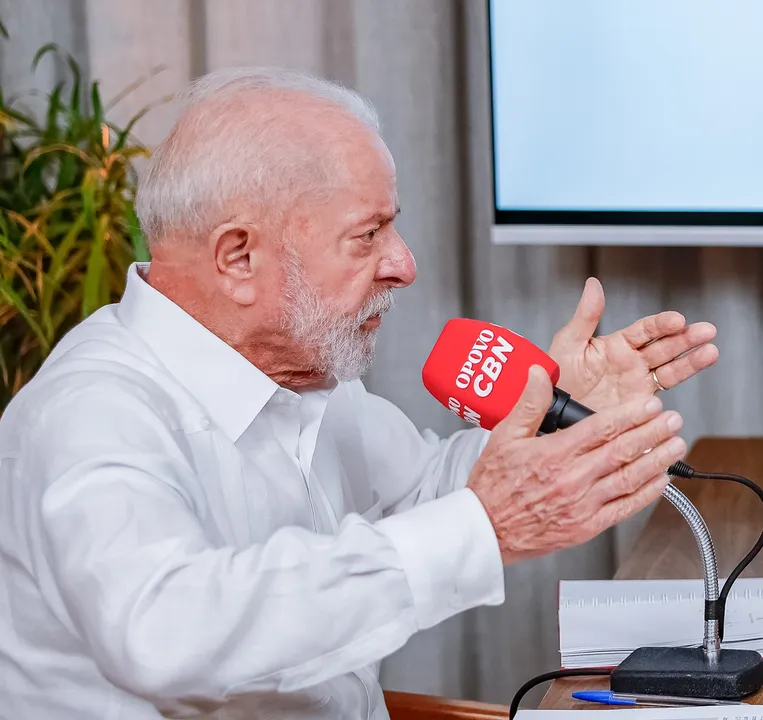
(370, 235)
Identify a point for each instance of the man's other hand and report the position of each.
(603, 372)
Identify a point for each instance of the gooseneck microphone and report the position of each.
(479, 370)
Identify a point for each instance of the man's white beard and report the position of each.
(343, 348)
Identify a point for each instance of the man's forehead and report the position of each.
(380, 207)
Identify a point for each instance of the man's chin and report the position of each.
(354, 370)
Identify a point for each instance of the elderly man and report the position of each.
(205, 514)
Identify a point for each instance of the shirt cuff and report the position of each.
(450, 555)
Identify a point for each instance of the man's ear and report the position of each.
(238, 254)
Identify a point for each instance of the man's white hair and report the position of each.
(215, 154)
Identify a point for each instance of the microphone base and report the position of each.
(687, 672)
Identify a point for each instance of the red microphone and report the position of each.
(479, 370)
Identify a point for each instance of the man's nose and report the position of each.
(397, 267)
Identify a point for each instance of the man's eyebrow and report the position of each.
(385, 217)
(377, 217)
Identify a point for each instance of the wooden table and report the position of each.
(665, 549)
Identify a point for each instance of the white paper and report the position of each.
(713, 712)
(602, 621)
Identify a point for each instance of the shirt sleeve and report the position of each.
(411, 467)
(171, 614)
(440, 529)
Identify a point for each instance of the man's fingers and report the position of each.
(687, 366)
(669, 348)
(629, 448)
(601, 428)
(631, 477)
(525, 419)
(622, 508)
(653, 327)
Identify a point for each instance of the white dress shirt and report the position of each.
(181, 537)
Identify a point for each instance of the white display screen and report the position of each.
(628, 111)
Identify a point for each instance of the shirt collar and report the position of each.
(229, 387)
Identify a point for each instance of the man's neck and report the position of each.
(268, 348)
(282, 363)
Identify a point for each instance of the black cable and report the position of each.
(545, 677)
(681, 469)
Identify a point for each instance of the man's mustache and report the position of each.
(377, 305)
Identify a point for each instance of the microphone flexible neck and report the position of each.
(712, 640)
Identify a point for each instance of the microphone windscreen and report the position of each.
(478, 370)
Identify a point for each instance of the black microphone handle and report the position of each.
(564, 411)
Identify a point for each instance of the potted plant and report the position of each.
(68, 229)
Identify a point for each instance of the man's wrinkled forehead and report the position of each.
(374, 213)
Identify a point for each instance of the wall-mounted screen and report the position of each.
(627, 121)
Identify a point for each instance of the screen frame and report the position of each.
(652, 227)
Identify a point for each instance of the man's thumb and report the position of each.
(526, 417)
(581, 327)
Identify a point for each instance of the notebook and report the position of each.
(602, 621)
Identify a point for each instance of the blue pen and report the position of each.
(606, 697)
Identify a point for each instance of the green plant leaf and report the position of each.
(16, 261)
(58, 147)
(96, 264)
(132, 225)
(20, 306)
(10, 118)
(43, 51)
(125, 134)
(66, 199)
(74, 100)
(67, 173)
(56, 273)
(4, 368)
(32, 231)
(127, 153)
(66, 311)
(54, 109)
(7, 246)
(95, 99)
(89, 187)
